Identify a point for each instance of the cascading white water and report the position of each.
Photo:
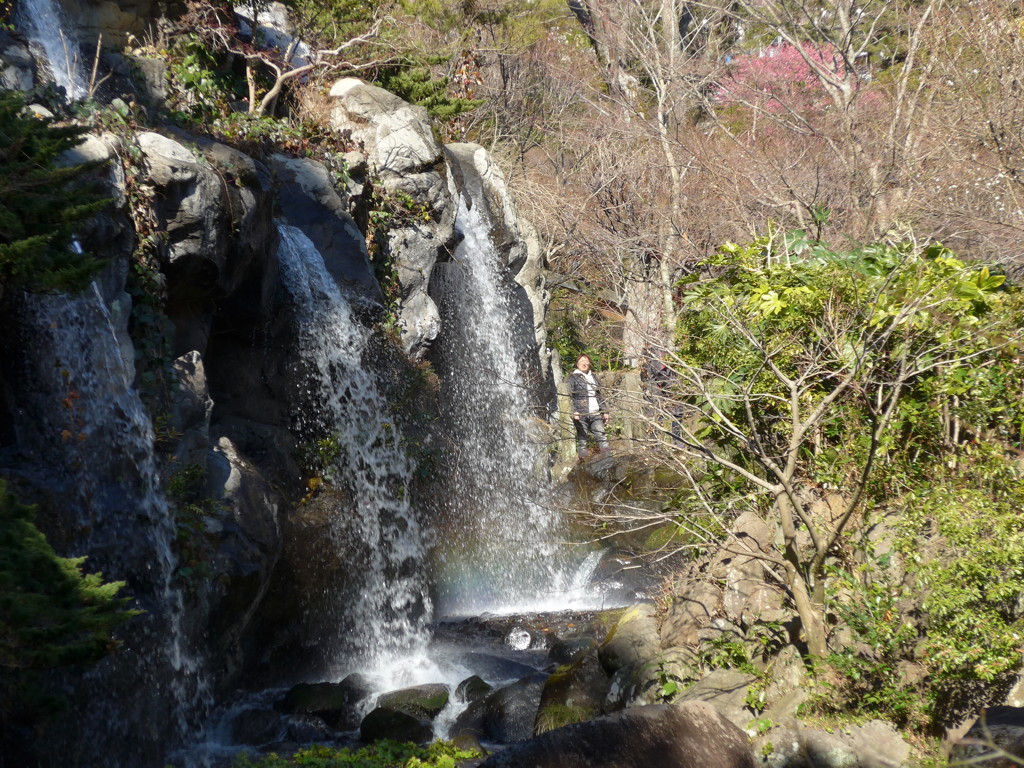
(390, 617)
(44, 23)
(505, 552)
(102, 440)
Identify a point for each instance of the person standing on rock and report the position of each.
(589, 414)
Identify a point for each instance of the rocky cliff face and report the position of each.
(161, 440)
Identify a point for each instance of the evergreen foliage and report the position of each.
(51, 614)
(414, 83)
(41, 204)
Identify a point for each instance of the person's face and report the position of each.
(583, 364)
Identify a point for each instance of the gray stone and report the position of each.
(689, 612)
(191, 406)
(788, 674)
(472, 688)
(398, 143)
(17, 67)
(632, 641)
(150, 79)
(726, 690)
(336, 704)
(692, 735)
(396, 136)
(872, 745)
(247, 548)
(190, 209)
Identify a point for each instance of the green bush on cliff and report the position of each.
(51, 614)
(41, 205)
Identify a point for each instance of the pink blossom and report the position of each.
(779, 78)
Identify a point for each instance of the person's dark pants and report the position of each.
(589, 425)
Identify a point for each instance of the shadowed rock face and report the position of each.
(663, 736)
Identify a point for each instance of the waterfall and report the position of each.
(503, 552)
(390, 617)
(98, 440)
(45, 24)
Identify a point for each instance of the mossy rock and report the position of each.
(572, 693)
(421, 701)
(334, 703)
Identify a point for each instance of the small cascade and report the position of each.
(504, 552)
(99, 440)
(389, 618)
(45, 24)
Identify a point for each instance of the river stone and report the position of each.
(391, 724)
(572, 693)
(692, 735)
(472, 688)
(421, 701)
(334, 703)
(507, 715)
(633, 641)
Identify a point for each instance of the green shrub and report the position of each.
(51, 614)
(42, 205)
(382, 754)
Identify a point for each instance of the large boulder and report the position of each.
(17, 67)
(726, 690)
(633, 641)
(243, 526)
(572, 693)
(334, 703)
(507, 715)
(189, 204)
(395, 135)
(692, 735)
(394, 725)
(403, 157)
(307, 199)
(422, 701)
(874, 744)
